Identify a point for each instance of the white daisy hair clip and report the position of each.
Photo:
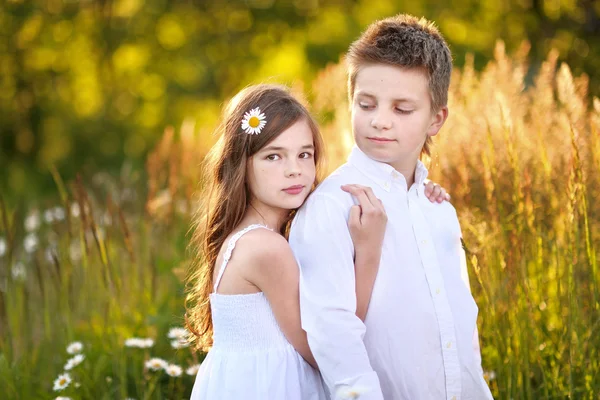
(254, 121)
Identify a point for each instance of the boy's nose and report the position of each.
(381, 121)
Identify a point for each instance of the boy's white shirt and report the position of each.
(419, 340)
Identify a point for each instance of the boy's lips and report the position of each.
(294, 189)
(377, 139)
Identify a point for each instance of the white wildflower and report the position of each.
(59, 213)
(30, 243)
(139, 343)
(178, 333)
(49, 254)
(74, 361)
(489, 375)
(173, 370)
(108, 379)
(193, 370)
(180, 343)
(62, 398)
(75, 211)
(156, 364)
(74, 348)
(75, 251)
(19, 273)
(49, 216)
(32, 221)
(2, 247)
(62, 382)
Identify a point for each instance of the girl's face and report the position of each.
(282, 173)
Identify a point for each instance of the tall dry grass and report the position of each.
(520, 156)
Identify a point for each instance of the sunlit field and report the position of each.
(103, 264)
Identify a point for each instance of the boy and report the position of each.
(419, 340)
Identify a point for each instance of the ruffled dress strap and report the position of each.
(230, 246)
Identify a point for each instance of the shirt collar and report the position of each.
(384, 174)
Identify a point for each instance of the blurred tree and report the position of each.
(88, 84)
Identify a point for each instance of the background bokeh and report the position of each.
(88, 85)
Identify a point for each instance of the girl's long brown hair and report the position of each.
(226, 195)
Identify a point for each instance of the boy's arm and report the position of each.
(464, 274)
(323, 247)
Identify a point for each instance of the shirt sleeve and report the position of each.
(322, 244)
(464, 274)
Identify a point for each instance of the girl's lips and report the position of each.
(294, 189)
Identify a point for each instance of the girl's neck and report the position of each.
(265, 215)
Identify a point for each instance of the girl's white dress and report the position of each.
(251, 359)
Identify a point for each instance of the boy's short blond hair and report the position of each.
(407, 42)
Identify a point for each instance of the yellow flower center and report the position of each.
(62, 381)
(254, 122)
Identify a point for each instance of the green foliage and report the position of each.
(86, 85)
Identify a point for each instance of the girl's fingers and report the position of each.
(360, 194)
(354, 218)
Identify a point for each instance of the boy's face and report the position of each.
(392, 116)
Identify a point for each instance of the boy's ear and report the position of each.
(437, 120)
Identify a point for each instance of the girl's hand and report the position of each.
(435, 193)
(367, 222)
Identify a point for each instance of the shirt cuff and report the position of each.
(363, 387)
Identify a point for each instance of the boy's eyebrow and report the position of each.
(399, 100)
(279, 148)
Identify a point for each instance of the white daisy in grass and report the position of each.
(180, 343)
(178, 333)
(350, 392)
(2, 247)
(74, 361)
(19, 273)
(75, 211)
(32, 221)
(62, 398)
(489, 375)
(139, 343)
(74, 348)
(156, 364)
(173, 370)
(254, 121)
(193, 370)
(49, 216)
(62, 382)
(30, 243)
(59, 213)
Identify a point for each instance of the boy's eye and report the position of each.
(306, 154)
(402, 111)
(365, 106)
(273, 157)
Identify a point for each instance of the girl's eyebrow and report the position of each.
(279, 148)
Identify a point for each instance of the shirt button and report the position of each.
(423, 242)
(386, 185)
(449, 344)
(453, 398)
(394, 174)
(437, 291)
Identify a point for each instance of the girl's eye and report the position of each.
(306, 155)
(273, 157)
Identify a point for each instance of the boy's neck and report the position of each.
(407, 170)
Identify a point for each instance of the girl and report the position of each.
(243, 305)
